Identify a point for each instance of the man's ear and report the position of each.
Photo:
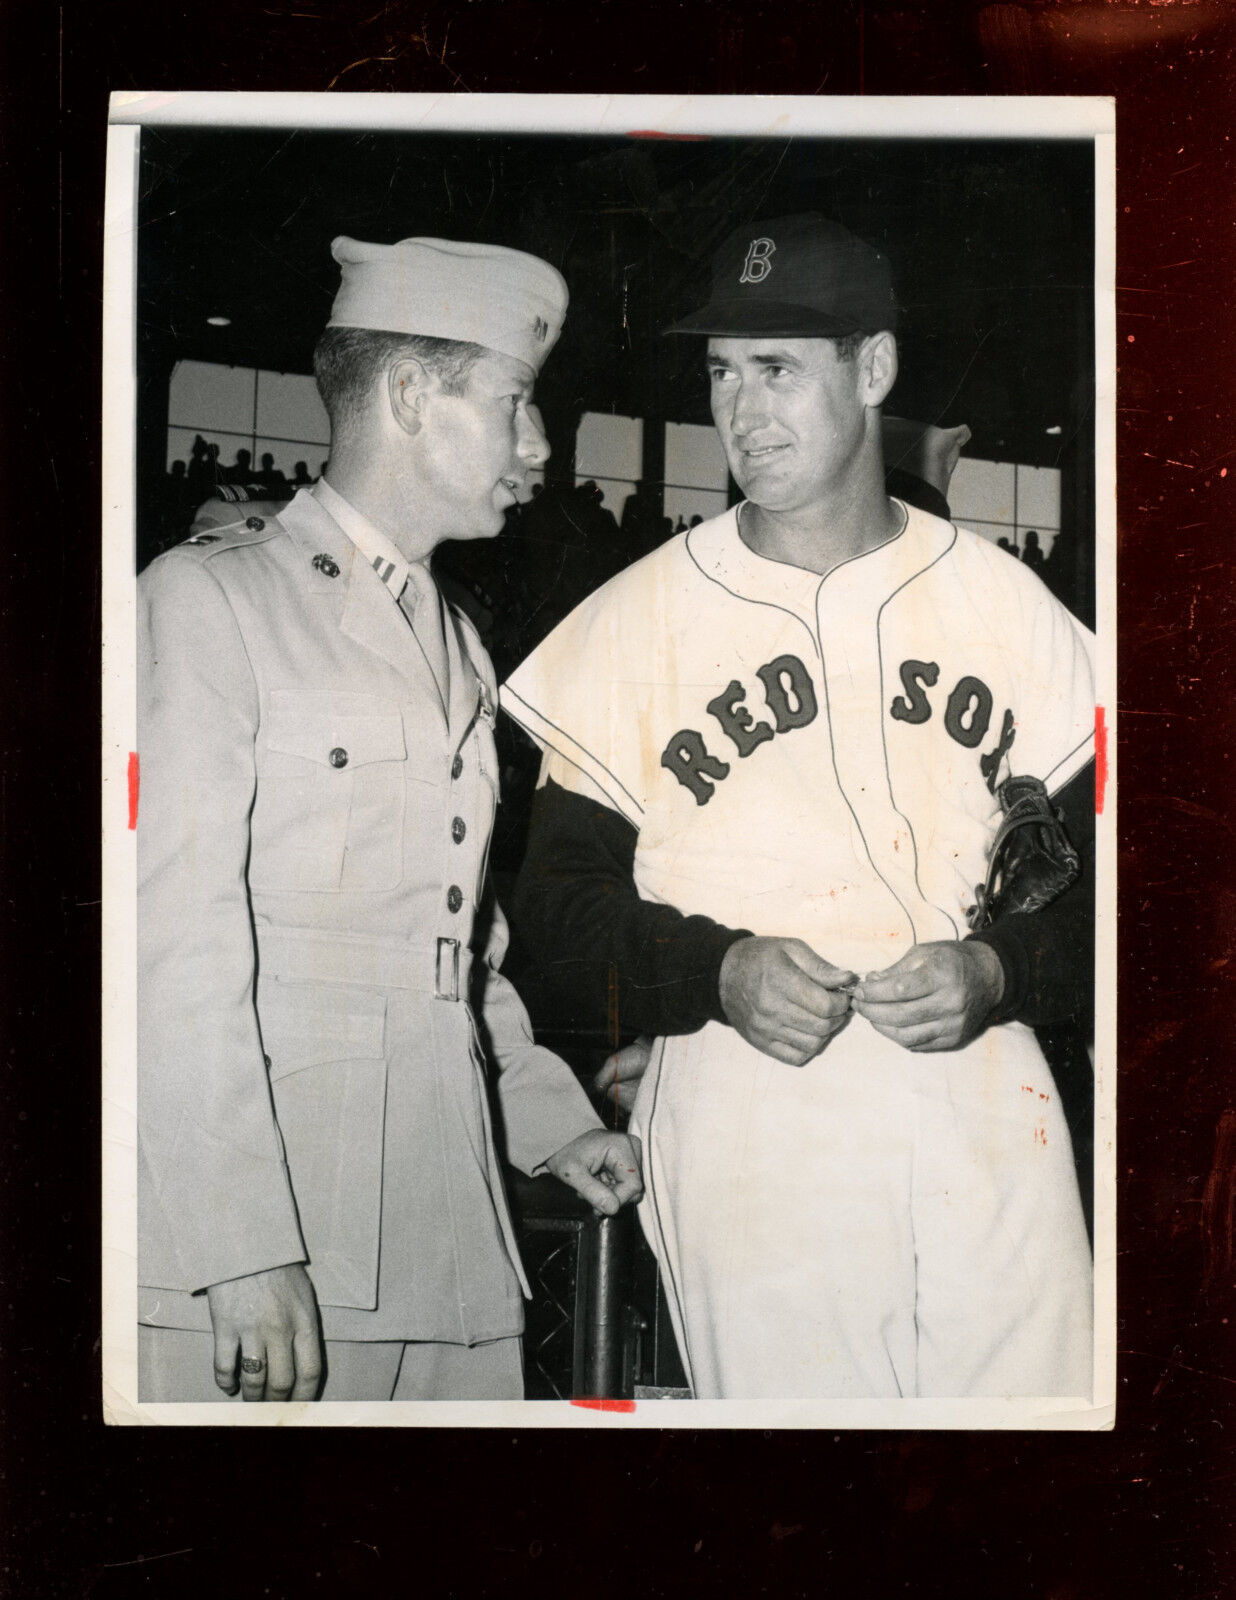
(407, 387)
(877, 368)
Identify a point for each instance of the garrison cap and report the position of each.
(438, 288)
(796, 277)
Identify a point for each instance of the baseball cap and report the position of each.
(438, 288)
(796, 277)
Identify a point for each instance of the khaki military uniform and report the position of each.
(318, 951)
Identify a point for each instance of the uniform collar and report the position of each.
(379, 551)
(338, 576)
(368, 617)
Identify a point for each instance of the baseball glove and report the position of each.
(1032, 862)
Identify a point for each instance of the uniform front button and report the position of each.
(454, 897)
(254, 524)
(456, 766)
(458, 828)
(338, 757)
(266, 1059)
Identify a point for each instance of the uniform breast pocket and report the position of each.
(326, 1049)
(331, 793)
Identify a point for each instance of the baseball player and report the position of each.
(771, 752)
(321, 1209)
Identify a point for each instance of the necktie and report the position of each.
(422, 606)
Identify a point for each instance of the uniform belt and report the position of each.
(312, 955)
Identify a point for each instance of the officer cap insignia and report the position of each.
(504, 300)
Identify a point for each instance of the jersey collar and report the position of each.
(718, 551)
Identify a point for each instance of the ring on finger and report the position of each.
(252, 1364)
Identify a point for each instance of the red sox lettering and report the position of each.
(790, 696)
(967, 712)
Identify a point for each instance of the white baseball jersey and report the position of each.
(816, 758)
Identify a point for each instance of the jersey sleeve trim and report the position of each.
(1068, 768)
(549, 735)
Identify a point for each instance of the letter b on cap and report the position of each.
(758, 264)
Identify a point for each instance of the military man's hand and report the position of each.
(602, 1167)
(618, 1080)
(937, 997)
(269, 1320)
(783, 998)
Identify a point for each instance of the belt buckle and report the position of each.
(450, 991)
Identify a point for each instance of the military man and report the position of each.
(320, 1198)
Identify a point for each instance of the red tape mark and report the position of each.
(134, 785)
(656, 133)
(1100, 759)
(605, 1405)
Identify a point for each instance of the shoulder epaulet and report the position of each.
(218, 527)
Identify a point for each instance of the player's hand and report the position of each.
(937, 997)
(602, 1167)
(618, 1080)
(270, 1318)
(783, 998)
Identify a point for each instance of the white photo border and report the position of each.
(926, 117)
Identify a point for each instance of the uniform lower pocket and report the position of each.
(327, 1052)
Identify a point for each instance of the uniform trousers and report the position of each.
(876, 1224)
(176, 1365)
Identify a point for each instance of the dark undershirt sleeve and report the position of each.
(1048, 955)
(594, 942)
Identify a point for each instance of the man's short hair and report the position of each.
(348, 362)
(848, 345)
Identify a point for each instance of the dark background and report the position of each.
(991, 243)
(1145, 1510)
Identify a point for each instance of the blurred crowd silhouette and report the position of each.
(555, 549)
(1056, 568)
(186, 485)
